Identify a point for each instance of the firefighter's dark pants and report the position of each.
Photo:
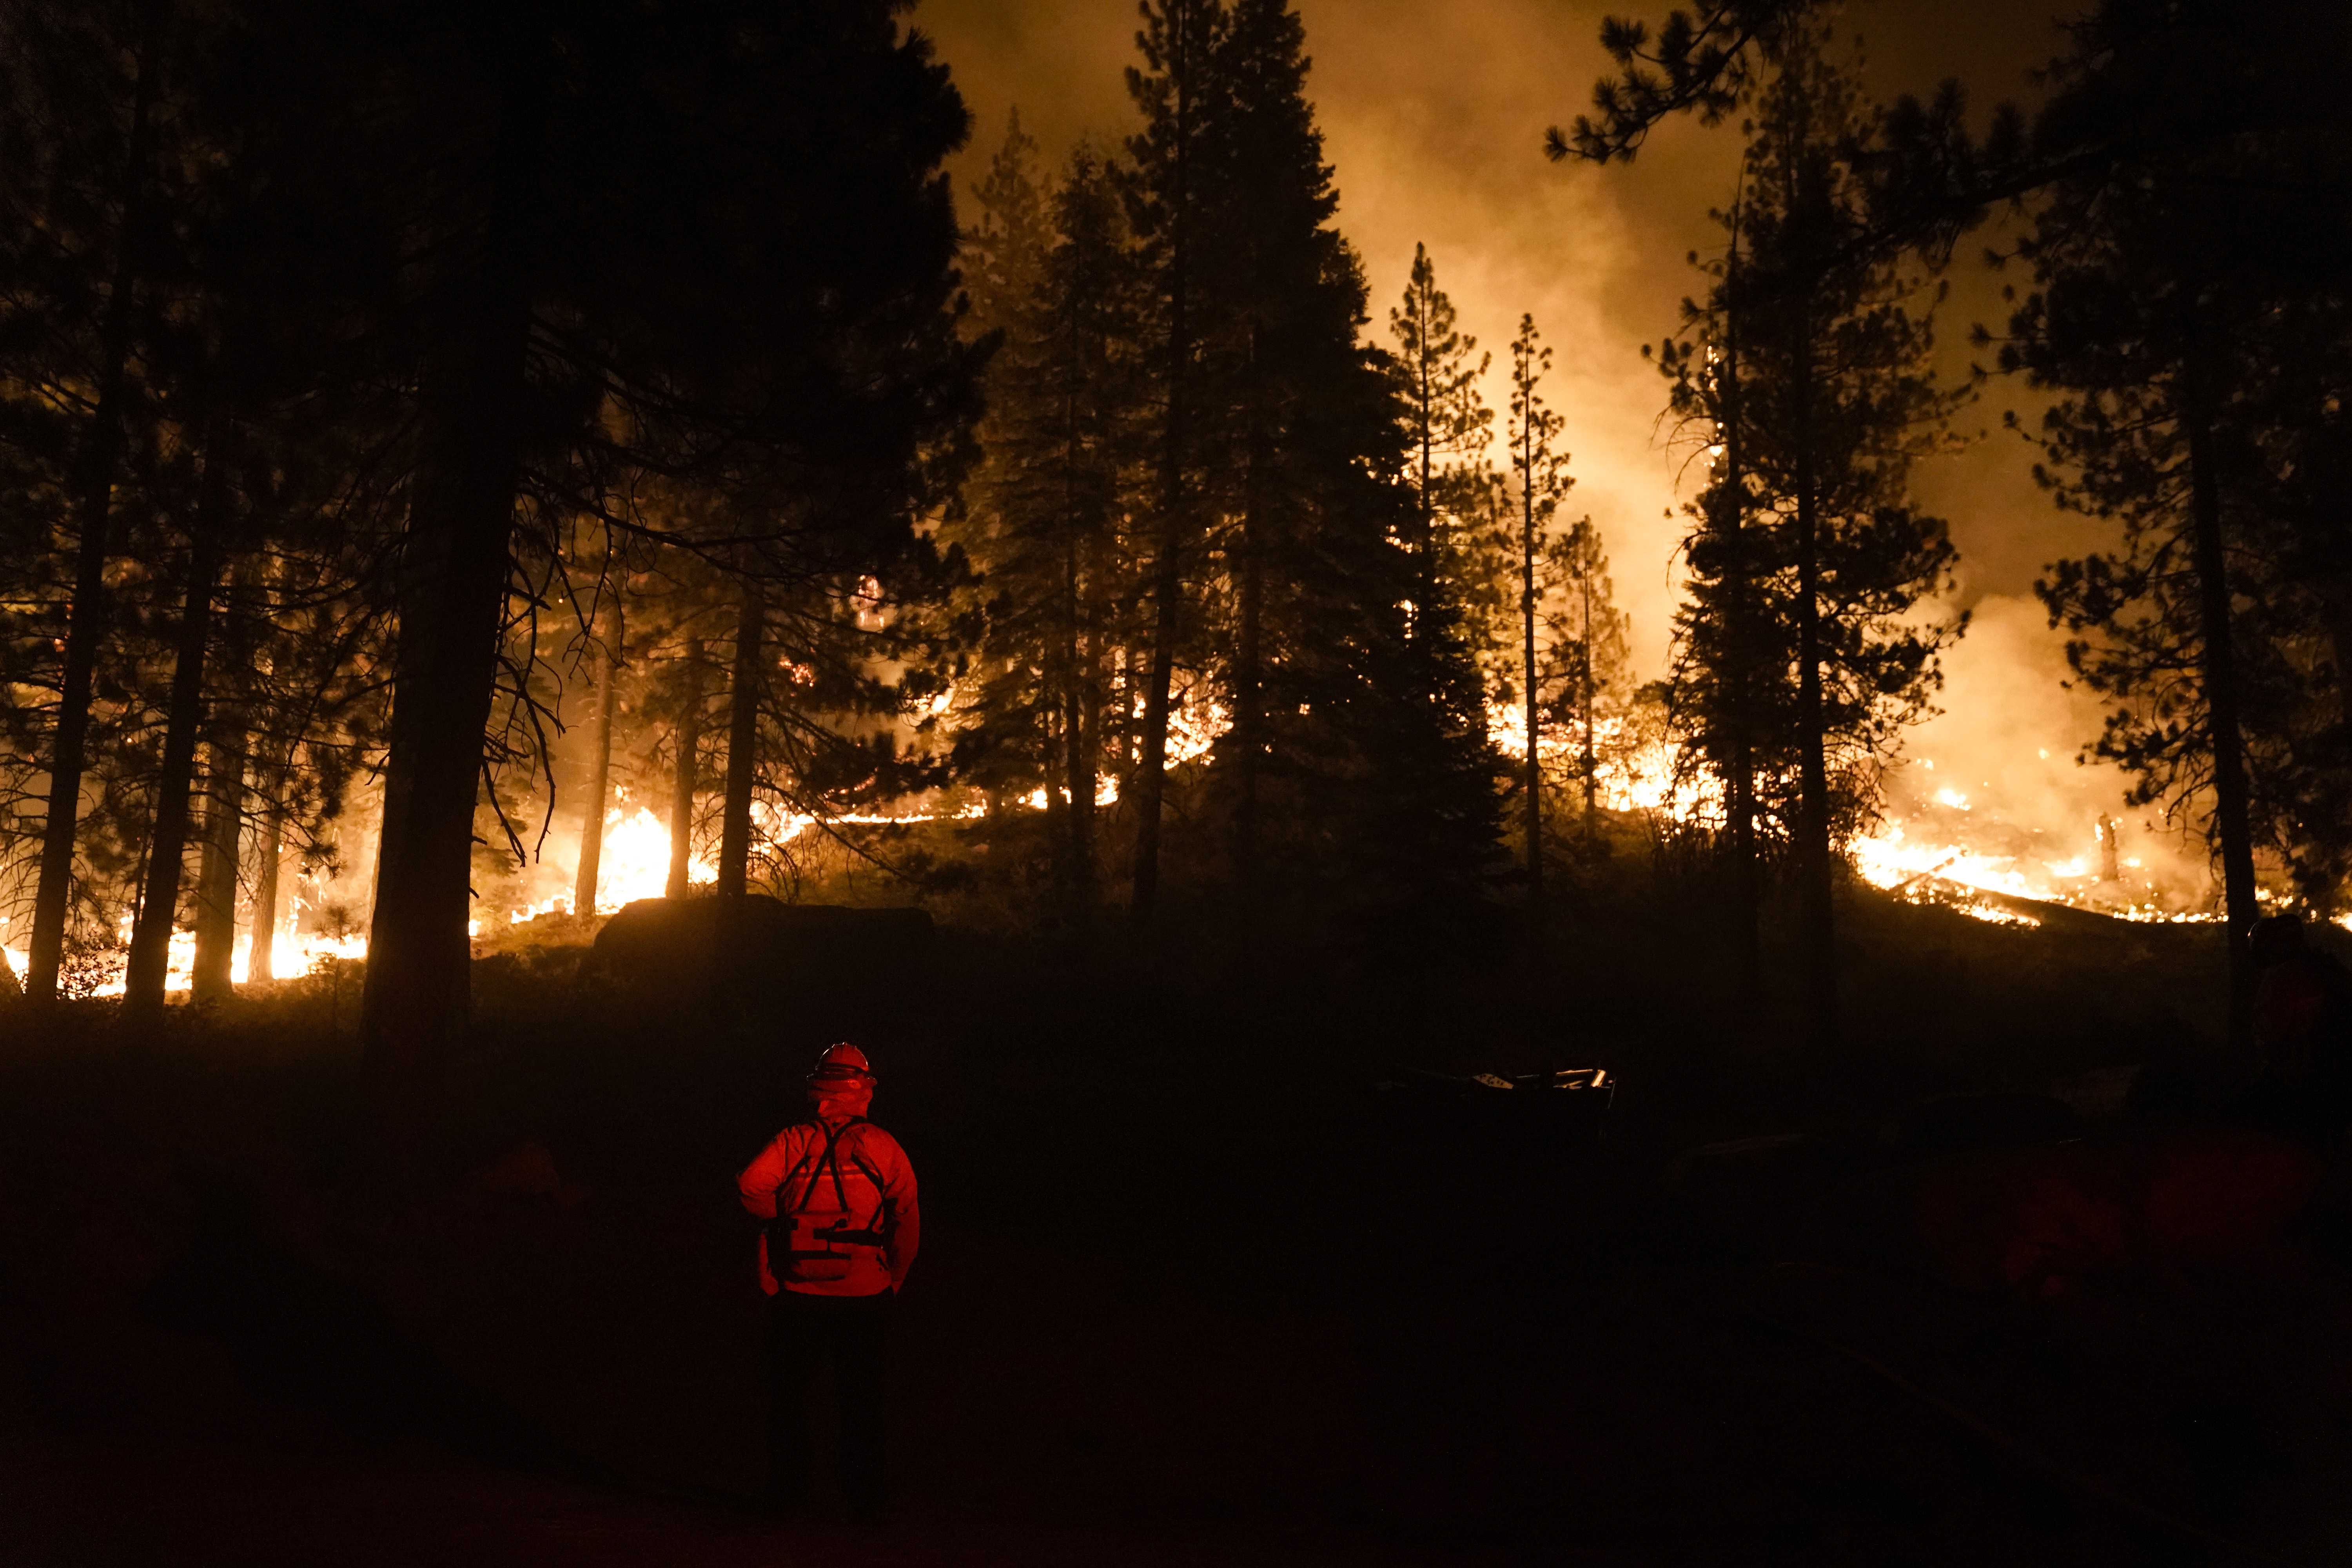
(804, 1332)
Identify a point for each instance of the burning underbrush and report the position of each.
(1937, 845)
(1989, 829)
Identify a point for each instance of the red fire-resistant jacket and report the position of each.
(793, 1175)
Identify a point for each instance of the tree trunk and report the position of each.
(270, 845)
(159, 902)
(1123, 732)
(1816, 912)
(1426, 440)
(1078, 768)
(1249, 697)
(1051, 753)
(446, 662)
(85, 627)
(212, 977)
(2218, 671)
(1167, 577)
(452, 600)
(1533, 782)
(1081, 715)
(1078, 731)
(1152, 769)
(1052, 713)
(600, 771)
(687, 737)
(1591, 760)
(743, 748)
(1739, 794)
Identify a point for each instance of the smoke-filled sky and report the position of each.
(1432, 113)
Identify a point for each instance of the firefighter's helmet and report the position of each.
(841, 1064)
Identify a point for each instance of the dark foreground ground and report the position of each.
(1192, 1290)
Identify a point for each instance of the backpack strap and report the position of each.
(784, 1182)
(829, 1158)
(833, 1159)
(840, 1231)
(882, 1204)
(815, 1161)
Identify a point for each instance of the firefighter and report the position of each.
(838, 1195)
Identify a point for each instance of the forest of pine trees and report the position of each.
(393, 446)
(1212, 531)
(2182, 189)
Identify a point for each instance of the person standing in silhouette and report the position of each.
(838, 1196)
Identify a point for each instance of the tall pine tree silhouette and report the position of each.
(2188, 310)
(1044, 507)
(1814, 557)
(1176, 158)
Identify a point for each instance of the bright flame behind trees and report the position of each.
(2004, 833)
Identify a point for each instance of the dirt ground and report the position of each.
(1192, 1292)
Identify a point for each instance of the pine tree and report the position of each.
(1463, 566)
(1447, 423)
(1440, 765)
(611, 650)
(687, 726)
(1303, 408)
(2156, 316)
(747, 682)
(1183, 97)
(1004, 253)
(1276, 506)
(1589, 658)
(1543, 481)
(159, 903)
(2187, 306)
(1044, 507)
(1723, 687)
(2297, 474)
(1799, 653)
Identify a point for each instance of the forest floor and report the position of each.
(1191, 1289)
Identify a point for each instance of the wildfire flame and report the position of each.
(1949, 849)
(1924, 867)
(290, 954)
(1631, 776)
(1907, 855)
(632, 863)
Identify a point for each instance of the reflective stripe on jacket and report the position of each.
(875, 1196)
